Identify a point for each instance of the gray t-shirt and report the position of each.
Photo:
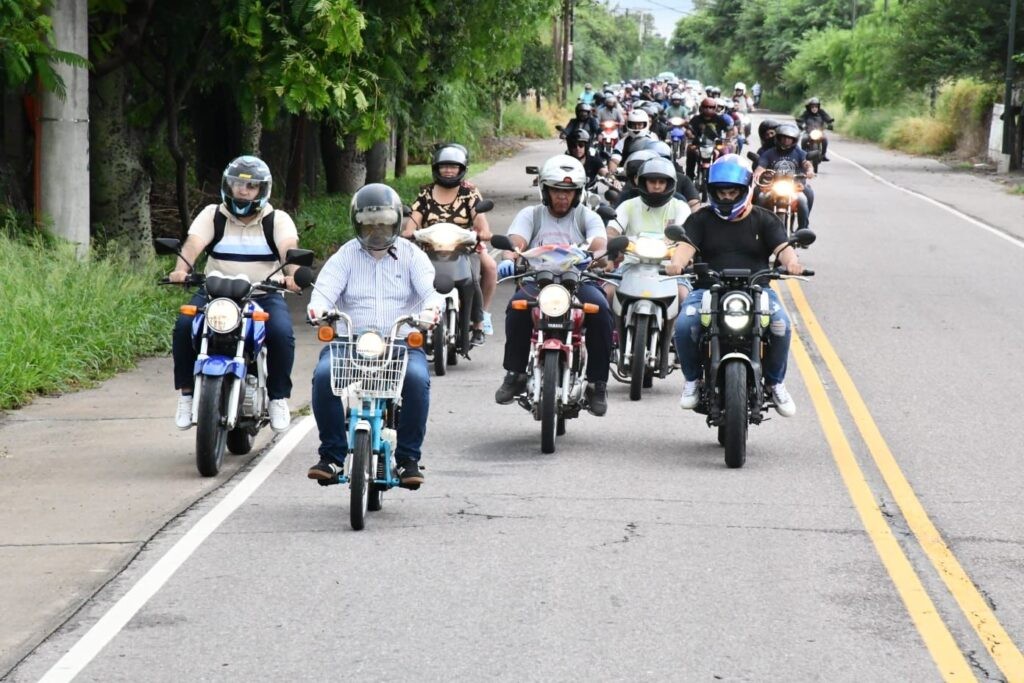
(553, 230)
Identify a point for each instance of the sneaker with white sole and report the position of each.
(183, 418)
(280, 417)
(690, 396)
(784, 403)
(487, 326)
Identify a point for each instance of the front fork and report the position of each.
(231, 416)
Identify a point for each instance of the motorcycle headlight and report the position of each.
(370, 345)
(223, 315)
(736, 311)
(554, 300)
(649, 247)
(785, 188)
(815, 134)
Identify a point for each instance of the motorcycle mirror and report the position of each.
(303, 276)
(443, 283)
(677, 234)
(532, 170)
(299, 257)
(167, 245)
(483, 206)
(606, 213)
(701, 269)
(502, 242)
(560, 128)
(616, 246)
(752, 156)
(612, 196)
(803, 238)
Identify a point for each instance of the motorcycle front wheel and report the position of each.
(456, 331)
(211, 432)
(736, 413)
(548, 400)
(360, 481)
(440, 349)
(638, 361)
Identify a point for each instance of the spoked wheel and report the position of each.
(211, 432)
(240, 440)
(638, 362)
(548, 400)
(440, 349)
(736, 409)
(360, 481)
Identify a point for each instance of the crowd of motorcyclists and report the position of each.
(619, 152)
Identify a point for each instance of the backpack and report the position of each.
(220, 221)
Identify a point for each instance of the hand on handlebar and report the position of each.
(315, 316)
(674, 269)
(178, 276)
(506, 268)
(428, 317)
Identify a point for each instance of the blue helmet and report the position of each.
(729, 173)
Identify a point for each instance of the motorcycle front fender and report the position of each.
(216, 366)
(644, 307)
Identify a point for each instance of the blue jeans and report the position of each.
(280, 344)
(688, 331)
(412, 419)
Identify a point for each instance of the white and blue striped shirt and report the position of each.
(376, 292)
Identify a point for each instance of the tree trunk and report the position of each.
(252, 132)
(536, 94)
(401, 151)
(119, 184)
(171, 106)
(377, 162)
(344, 166)
(293, 187)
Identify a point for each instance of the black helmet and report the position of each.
(764, 127)
(656, 168)
(788, 132)
(245, 170)
(635, 160)
(449, 154)
(580, 135)
(583, 110)
(376, 214)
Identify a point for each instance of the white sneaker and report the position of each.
(183, 418)
(784, 403)
(487, 327)
(691, 393)
(280, 417)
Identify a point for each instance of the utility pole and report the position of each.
(572, 45)
(566, 50)
(1009, 144)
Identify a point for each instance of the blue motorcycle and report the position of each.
(230, 403)
(677, 137)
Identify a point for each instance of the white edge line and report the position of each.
(111, 623)
(1016, 241)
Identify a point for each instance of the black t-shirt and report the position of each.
(746, 243)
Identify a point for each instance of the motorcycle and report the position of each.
(708, 150)
(608, 137)
(230, 403)
(645, 306)
(556, 386)
(677, 136)
(780, 189)
(449, 248)
(734, 316)
(812, 141)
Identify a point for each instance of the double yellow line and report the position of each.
(937, 637)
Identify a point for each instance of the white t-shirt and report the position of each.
(635, 217)
(245, 241)
(553, 230)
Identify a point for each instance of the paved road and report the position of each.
(874, 536)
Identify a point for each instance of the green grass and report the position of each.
(526, 122)
(920, 135)
(69, 324)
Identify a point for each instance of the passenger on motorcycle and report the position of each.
(677, 106)
(584, 120)
(578, 147)
(376, 279)
(766, 134)
(739, 96)
(733, 233)
(452, 199)
(816, 116)
(709, 121)
(611, 111)
(656, 205)
(243, 235)
(587, 96)
(638, 130)
(560, 219)
(786, 149)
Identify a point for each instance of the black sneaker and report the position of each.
(409, 475)
(513, 385)
(326, 472)
(825, 159)
(597, 398)
(477, 338)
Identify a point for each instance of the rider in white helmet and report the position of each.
(742, 101)
(638, 131)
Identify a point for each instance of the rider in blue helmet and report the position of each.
(733, 233)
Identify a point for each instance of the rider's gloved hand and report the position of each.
(506, 268)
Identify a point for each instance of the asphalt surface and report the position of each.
(630, 553)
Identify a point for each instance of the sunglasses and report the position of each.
(579, 144)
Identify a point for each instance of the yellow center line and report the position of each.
(981, 617)
(937, 638)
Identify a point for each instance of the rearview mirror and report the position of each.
(502, 242)
(483, 206)
(167, 245)
(677, 234)
(299, 257)
(803, 238)
(532, 170)
(303, 276)
(752, 156)
(606, 213)
(616, 246)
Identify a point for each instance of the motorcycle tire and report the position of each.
(375, 501)
(549, 400)
(560, 427)
(240, 440)
(360, 481)
(638, 361)
(736, 414)
(211, 432)
(453, 348)
(440, 349)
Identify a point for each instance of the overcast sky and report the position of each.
(666, 12)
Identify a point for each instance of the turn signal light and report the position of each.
(591, 308)
(325, 333)
(415, 339)
(260, 316)
(520, 305)
(188, 309)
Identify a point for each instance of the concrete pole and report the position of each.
(64, 129)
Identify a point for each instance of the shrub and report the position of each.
(518, 121)
(920, 135)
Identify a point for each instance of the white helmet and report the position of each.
(562, 172)
(637, 123)
(722, 104)
(742, 87)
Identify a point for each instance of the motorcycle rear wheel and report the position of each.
(453, 349)
(211, 432)
(736, 410)
(361, 479)
(548, 400)
(240, 440)
(440, 349)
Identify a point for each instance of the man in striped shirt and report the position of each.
(375, 279)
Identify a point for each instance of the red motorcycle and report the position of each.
(608, 137)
